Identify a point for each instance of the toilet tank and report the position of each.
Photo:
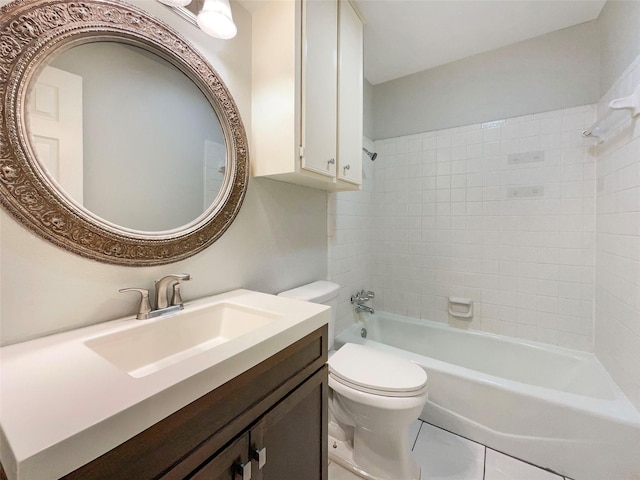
(323, 292)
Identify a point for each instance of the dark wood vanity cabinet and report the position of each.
(285, 439)
(271, 420)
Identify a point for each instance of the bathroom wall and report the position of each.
(617, 313)
(463, 212)
(619, 40)
(277, 242)
(549, 72)
(350, 232)
(368, 109)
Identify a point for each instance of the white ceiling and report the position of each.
(408, 36)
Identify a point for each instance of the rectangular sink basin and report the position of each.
(158, 343)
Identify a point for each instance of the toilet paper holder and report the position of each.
(461, 307)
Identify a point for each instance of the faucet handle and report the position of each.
(180, 277)
(176, 299)
(362, 296)
(144, 309)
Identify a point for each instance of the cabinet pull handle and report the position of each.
(259, 456)
(242, 471)
(331, 161)
(347, 167)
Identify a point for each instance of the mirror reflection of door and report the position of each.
(215, 159)
(55, 125)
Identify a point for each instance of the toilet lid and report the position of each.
(371, 370)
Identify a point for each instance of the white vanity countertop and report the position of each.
(62, 404)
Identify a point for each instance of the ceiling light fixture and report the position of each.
(176, 3)
(215, 19)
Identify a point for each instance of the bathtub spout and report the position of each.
(364, 308)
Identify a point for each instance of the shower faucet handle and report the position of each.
(362, 296)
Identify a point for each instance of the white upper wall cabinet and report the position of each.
(319, 86)
(350, 95)
(307, 93)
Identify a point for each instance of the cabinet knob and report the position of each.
(259, 456)
(331, 161)
(242, 471)
(347, 167)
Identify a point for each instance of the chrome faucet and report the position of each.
(162, 297)
(360, 298)
(364, 308)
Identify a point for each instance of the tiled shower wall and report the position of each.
(617, 316)
(437, 217)
(501, 213)
(350, 233)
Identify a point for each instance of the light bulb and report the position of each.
(215, 19)
(176, 3)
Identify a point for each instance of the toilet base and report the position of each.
(341, 452)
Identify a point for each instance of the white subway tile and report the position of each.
(459, 152)
(491, 148)
(491, 134)
(429, 142)
(443, 140)
(474, 151)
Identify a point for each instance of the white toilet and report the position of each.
(373, 399)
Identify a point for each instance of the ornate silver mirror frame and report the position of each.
(31, 32)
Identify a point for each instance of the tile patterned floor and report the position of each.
(445, 456)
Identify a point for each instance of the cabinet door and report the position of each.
(227, 464)
(319, 86)
(293, 435)
(349, 95)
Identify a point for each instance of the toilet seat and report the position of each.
(375, 372)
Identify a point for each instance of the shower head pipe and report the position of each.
(372, 155)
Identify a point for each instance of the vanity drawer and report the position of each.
(176, 446)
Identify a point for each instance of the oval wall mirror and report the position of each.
(118, 141)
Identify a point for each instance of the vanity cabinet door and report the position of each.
(289, 434)
(227, 464)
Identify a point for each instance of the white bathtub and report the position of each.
(550, 406)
